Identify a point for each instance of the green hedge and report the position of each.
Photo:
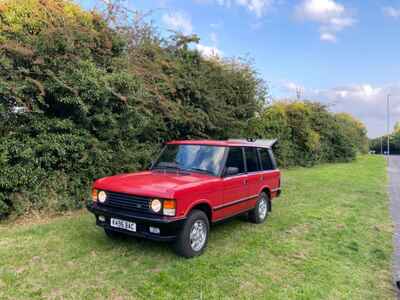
(308, 133)
(100, 99)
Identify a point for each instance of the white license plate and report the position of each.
(117, 223)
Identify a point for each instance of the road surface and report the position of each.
(394, 194)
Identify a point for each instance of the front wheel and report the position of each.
(193, 237)
(260, 212)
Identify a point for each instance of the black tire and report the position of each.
(254, 215)
(183, 245)
(112, 234)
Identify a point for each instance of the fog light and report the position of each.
(154, 230)
(102, 218)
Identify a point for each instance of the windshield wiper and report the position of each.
(167, 165)
(200, 170)
(174, 166)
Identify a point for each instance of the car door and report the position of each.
(254, 175)
(271, 175)
(234, 187)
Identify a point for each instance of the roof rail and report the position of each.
(256, 142)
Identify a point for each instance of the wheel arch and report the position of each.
(267, 190)
(204, 206)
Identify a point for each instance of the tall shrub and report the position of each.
(308, 133)
(95, 99)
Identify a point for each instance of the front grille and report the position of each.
(128, 202)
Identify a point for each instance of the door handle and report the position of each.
(261, 177)
(245, 181)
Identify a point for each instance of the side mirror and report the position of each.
(230, 171)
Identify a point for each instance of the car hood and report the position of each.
(151, 183)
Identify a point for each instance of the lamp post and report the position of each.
(388, 125)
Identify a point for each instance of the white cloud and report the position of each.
(331, 16)
(291, 87)
(390, 11)
(365, 101)
(216, 25)
(211, 51)
(258, 7)
(363, 92)
(213, 38)
(178, 21)
(208, 51)
(328, 37)
(320, 10)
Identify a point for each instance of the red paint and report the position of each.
(225, 196)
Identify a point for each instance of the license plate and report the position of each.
(117, 223)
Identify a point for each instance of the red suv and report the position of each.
(192, 184)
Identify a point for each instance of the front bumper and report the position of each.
(169, 226)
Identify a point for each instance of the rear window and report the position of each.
(252, 162)
(266, 161)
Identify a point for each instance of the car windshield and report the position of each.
(195, 158)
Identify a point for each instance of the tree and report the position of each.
(308, 133)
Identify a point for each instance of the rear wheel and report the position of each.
(193, 237)
(260, 213)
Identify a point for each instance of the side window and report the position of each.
(252, 162)
(273, 160)
(235, 159)
(266, 161)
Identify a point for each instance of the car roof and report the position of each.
(227, 143)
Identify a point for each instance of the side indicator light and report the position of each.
(169, 207)
(94, 195)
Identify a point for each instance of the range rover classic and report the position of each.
(192, 184)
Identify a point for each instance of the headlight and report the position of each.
(155, 205)
(102, 196)
(94, 195)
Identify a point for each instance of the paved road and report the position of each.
(394, 192)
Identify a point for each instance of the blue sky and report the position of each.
(343, 53)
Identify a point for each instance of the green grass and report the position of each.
(329, 237)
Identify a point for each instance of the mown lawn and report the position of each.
(329, 237)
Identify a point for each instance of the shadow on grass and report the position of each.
(220, 232)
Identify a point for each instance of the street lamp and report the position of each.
(388, 124)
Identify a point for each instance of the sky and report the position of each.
(345, 54)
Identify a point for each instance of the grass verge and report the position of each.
(329, 237)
